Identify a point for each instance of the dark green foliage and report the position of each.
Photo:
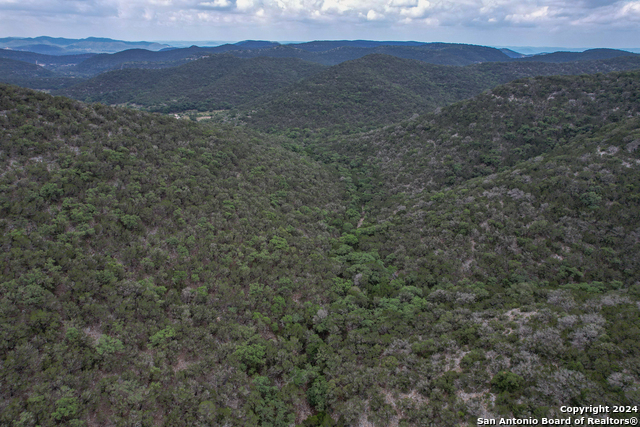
(381, 89)
(587, 55)
(507, 381)
(479, 260)
(130, 245)
(215, 82)
(31, 75)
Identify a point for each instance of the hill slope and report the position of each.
(62, 63)
(33, 76)
(433, 53)
(437, 53)
(586, 124)
(143, 214)
(381, 89)
(587, 55)
(212, 83)
(481, 261)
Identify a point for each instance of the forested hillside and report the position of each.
(143, 245)
(212, 83)
(60, 63)
(380, 89)
(560, 151)
(30, 75)
(481, 260)
(587, 55)
(326, 53)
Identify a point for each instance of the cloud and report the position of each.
(372, 15)
(217, 4)
(329, 17)
(539, 14)
(244, 5)
(59, 7)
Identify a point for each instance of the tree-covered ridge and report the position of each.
(587, 55)
(30, 75)
(129, 238)
(494, 130)
(380, 89)
(161, 272)
(50, 62)
(64, 46)
(211, 83)
(550, 239)
(355, 95)
(12, 69)
(432, 53)
(331, 54)
(568, 218)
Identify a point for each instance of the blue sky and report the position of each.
(588, 23)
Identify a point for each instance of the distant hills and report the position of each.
(381, 89)
(212, 83)
(280, 93)
(59, 63)
(64, 46)
(343, 86)
(61, 55)
(33, 76)
(326, 53)
(12, 69)
(587, 55)
(434, 53)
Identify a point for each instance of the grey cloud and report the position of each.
(593, 4)
(334, 18)
(61, 7)
(216, 5)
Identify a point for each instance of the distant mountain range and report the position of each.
(55, 56)
(367, 92)
(215, 82)
(591, 54)
(538, 50)
(322, 84)
(381, 89)
(62, 46)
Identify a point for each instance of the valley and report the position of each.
(362, 240)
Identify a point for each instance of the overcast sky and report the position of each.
(588, 23)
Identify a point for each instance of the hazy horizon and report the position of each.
(593, 23)
(524, 49)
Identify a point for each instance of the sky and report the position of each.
(569, 23)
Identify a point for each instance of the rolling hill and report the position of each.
(380, 89)
(280, 93)
(481, 260)
(211, 83)
(326, 53)
(587, 55)
(64, 46)
(433, 53)
(60, 63)
(33, 76)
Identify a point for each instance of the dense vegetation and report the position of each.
(30, 75)
(380, 89)
(285, 93)
(481, 260)
(150, 244)
(59, 63)
(587, 55)
(212, 83)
